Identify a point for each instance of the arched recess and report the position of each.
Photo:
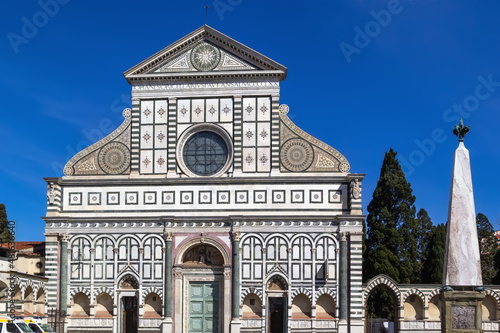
(434, 312)
(40, 302)
(325, 307)
(199, 241)
(80, 306)
(413, 307)
(104, 306)
(29, 307)
(301, 307)
(4, 290)
(252, 307)
(152, 306)
(489, 308)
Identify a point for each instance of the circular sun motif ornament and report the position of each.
(296, 155)
(205, 57)
(114, 158)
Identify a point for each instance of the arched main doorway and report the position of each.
(128, 312)
(277, 304)
(202, 277)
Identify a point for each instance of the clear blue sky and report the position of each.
(392, 85)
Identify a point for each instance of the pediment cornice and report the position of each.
(258, 65)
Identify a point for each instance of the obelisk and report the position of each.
(462, 262)
(462, 292)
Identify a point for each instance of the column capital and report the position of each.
(168, 235)
(64, 237)
(236, 236)
(343, 236)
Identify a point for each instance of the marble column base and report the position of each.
(235, 326)
(166, 325)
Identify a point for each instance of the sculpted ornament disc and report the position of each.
(296, 155)
(114, 158)
(205, 57)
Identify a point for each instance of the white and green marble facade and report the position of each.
(283, 213)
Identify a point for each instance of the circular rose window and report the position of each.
(205, 150)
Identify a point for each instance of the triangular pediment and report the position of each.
(205, 53)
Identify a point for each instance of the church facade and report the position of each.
(207, 209)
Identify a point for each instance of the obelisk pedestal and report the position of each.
(462, 292)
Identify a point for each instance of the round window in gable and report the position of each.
(205, 150)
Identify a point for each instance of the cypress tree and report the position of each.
(422, 236)
(432, 270)
(487, 248)
(4, 230)
(391, 247)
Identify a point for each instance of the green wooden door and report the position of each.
(203, 307)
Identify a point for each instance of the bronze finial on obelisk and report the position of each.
(460, 130)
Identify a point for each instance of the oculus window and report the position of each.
(205, 150)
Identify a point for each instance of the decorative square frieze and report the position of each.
(168, 197)
(316, 196)
(131, 198)
(297, 196)
(113, 198)
(187, 197)
(241, 197)
(149, 198)
(75, 198)
(334, 196)
(259, 196)
(94, 198)
(223, 197)
(205, 197)
(278, 196)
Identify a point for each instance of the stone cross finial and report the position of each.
(460, 130)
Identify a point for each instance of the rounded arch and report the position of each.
(251, 306)
(301, 307)
(309, 237)
(151, 290)
(80, 305)
(492, 293)
(489, 308)
(81, 290)
(148, 237)
(40, 301)
(4, 290)
(434, 304)
(98, 238)
(122, 237)
(29, 296)
(413, 291)
(413, 307)
(382, 280)
(184, 248)
(76, 238)
(246, 236)
(248, 291)
(103, 289)
(328, 291)
(301, 290)
(104, 305)
(274, 236)
(152, 306)
(325, 307)
(335, 240)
